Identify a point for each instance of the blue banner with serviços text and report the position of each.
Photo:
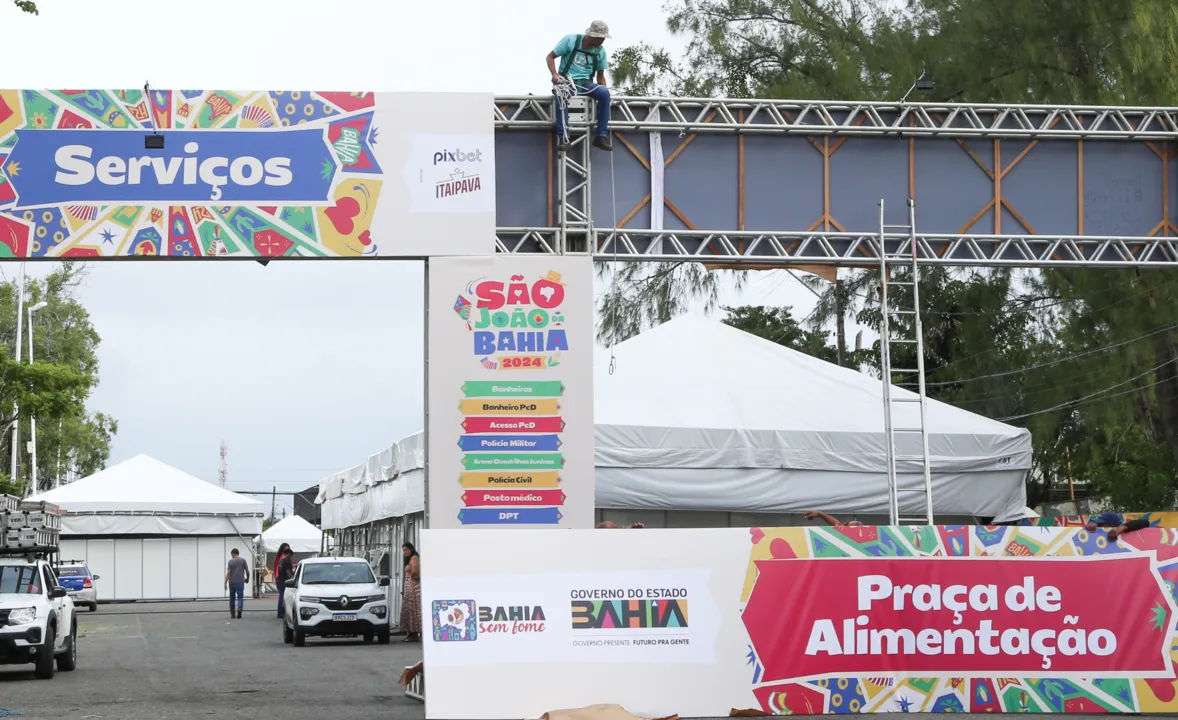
(197, 167)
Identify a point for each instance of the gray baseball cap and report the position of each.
(598, 29)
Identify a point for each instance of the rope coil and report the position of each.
(564, 91)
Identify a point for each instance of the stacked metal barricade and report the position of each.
(25, 525)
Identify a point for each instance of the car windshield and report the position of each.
(346, 573)
(21, 579)
(71, 572)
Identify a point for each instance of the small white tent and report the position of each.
(153, 532)
(305, 541)
(302, 536)
(697, 415)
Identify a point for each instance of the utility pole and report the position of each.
(33, 488)
(273, 504)
(20, 318)
(58, 474)
(223, 473)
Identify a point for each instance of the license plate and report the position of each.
(344, 616)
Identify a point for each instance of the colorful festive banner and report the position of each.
(521, 442)
(95, 173)
(815, 620)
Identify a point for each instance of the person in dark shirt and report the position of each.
(236, 576)
(285, 572)
(1116, 524)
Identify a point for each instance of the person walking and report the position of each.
(283, 571)
(411, 594)
(236, 576)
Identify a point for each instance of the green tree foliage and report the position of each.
(1086, 359)
(27, 6)
(777, 324)
(71, 441)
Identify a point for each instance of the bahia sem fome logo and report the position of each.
(465, 620)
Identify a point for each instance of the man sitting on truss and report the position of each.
(581, 58)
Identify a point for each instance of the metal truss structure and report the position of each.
(1125, 144)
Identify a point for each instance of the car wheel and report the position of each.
(93, 607)
(287, 635)
(369, 637)
(68, 660)
(300, 638)
(45, 667)
(383, 636)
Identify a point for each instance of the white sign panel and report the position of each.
(510, 392)
(530, 621)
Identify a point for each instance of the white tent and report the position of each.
(302, 536)
(152, 531)
(697, 415)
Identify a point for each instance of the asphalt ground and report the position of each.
(167, 661)
(172, 661)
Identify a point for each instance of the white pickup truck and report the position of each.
(37, 620)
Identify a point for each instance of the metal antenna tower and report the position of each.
(223, 473)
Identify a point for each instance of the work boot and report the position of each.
(238, 613)
(603, 143)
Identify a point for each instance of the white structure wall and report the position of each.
(156, 568)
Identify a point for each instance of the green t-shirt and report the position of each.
(586, 63)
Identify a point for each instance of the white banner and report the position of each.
(510, 392)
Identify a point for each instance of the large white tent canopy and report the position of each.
(143, 496)
(302, 536)
(152, 532)
(697, 415)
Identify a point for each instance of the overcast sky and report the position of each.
(304, 368)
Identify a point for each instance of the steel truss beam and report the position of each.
(782, 249)
(577, 233)
(793, 117)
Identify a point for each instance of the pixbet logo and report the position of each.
(458, 156)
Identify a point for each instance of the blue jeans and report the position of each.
(281, 600)
(236, 590)
(600, 95)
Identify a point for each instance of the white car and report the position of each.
(37, 620)
(335, 597)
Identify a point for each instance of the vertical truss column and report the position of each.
(574, 176)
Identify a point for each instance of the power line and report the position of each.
(1095, 395)
(1056, 385)
(1057, 361)
(1101, 308)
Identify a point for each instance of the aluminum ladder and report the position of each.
(904, 414)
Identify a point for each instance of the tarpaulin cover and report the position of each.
(143, 496)
(302, 536)
(698, 415)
